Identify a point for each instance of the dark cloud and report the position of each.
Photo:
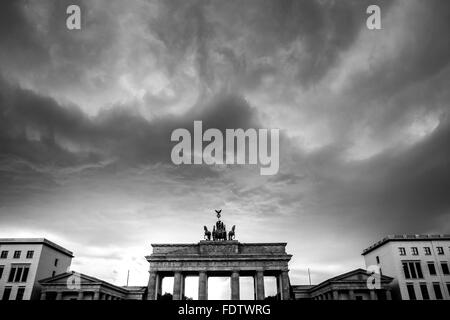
(397, 192)
(116, 132)
(17, 32)
(37, 131)
(423, 52)
(34, 38)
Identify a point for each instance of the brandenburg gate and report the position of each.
(221, 256)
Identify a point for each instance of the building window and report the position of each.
(440, 250)
(414, 251)
(378, 259)
(437, 290)
(4, 254)
(412, 269)
(444, 267)
(411, 292)
(424, 291)
(20, 293)
(427, 251)
(1, 271)
(30, 254)
(18, 273)
(432, 268)
(6, 293)
(17, 254)
(53, 273)
(56, 262)
(448, 288)
(402, 251)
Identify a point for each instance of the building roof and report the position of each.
(42, 241)
(406, 237)
(223, 243)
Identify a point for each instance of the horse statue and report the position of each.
(219, 231)
(207, 233)
(231, 233)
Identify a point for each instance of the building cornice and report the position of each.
(42, 241)
(406, 237)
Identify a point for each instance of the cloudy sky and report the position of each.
(86, 118)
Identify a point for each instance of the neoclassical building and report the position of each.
(347, 286)
(78, 286)
(219, 258)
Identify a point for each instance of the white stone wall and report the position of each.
(391, 265)
(7, 263)
(41, 266)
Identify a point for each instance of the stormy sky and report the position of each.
(86, 117)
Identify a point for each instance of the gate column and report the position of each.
(202, 286)
(159, 280)
(260, 285)
(285, 285)
(235, 285)
(178, 285)
(279, 287)
(151, 293)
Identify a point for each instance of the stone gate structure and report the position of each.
(219, 258)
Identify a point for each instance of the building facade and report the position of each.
(419, 265)
(23, 262)
(77, 286)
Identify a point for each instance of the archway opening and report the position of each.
(166, 289)
(246, 288)
(270, 288)
(219, 288)
(191, 288)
